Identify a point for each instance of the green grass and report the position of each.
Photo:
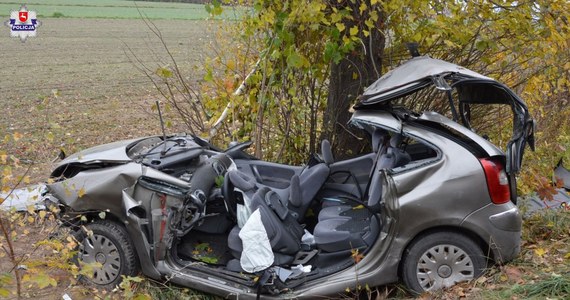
(553, 287)
(115, 9)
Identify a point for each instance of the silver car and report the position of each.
(431, 204)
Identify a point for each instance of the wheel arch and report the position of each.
(484, 246)
(116, 235)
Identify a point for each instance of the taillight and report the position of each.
(497, 180)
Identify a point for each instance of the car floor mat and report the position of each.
(205, 247)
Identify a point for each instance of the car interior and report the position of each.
(315, 215)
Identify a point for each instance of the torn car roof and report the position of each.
(412, 75)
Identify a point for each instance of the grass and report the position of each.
(554, 286)
(542, 270)
(118, 9)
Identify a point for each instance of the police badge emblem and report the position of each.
(23, 23)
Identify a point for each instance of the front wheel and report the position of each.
(440, 260)
(108, 252)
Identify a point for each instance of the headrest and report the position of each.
(326, 151)
(396, 140)
(400, 157)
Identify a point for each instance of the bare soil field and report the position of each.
(74, 86)
(101, 95)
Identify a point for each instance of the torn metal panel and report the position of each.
(98, 189)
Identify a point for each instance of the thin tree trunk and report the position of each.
(348, 79)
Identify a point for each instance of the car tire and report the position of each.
(440, 260)
(108, 244)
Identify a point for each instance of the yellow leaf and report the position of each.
(540, 252)
(354, 30)
(142, 297)
(362, 7)
(340, 26)
(374, 16)
(81, 192)
(43, 214)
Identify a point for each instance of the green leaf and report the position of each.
(219, 181)
(163, 72)
(42, 280)
(295, 60)
(209, 76)
(481, 45)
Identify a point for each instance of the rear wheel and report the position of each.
(440, 260)
(108, 252)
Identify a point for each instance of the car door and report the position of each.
(487, 92)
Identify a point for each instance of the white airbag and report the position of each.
(257, 254)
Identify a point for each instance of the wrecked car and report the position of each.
(431, 204)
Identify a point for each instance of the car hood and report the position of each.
(115, 152)
(414, 74)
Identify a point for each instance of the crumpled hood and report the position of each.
(112, 152)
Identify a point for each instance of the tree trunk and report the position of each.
(348, 79)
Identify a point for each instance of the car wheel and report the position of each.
(440, 260)
(108, 251)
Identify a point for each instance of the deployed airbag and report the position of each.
(257, 254)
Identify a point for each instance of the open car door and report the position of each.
(463, 88)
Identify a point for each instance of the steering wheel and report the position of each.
(229, 197)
